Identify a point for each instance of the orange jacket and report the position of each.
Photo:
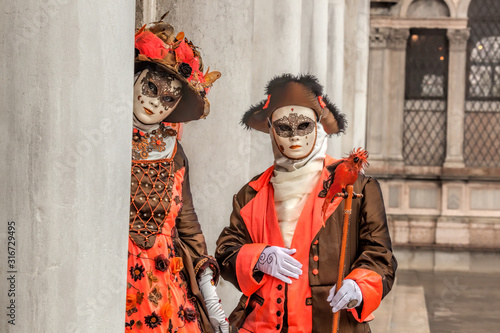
(254, 226)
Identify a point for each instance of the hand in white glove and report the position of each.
(278, 262)
(348, 296)
(212, 301)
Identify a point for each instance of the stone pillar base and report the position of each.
(454, 163)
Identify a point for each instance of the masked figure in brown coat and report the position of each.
(276, 249)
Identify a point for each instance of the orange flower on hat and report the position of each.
(131, 301)
(150, 45)
(176, 265)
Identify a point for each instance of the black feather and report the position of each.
(248, 114)
(312, 83)
(164, 15)
(339, 116)
(278, 82)
(307, 80)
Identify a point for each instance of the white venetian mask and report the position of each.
(156, 95)
(294, 131)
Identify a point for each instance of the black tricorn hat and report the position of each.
(302, 90)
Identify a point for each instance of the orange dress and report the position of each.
(159, 296)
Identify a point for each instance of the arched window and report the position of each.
(482, 102)
(426, 88)
(427, 9)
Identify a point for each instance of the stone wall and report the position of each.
(449, 213)
(66, 130)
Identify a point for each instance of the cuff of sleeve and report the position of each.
(370, 284)
(202, 263)
(246, 260)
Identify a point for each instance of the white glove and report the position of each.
(348, 297)
(212, 301)
(278, 262)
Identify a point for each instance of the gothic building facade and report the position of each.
(433, 119)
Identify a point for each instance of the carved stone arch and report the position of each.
(463, 8)
(448, 3)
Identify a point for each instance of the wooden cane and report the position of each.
(347, 215)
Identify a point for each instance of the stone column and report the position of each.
(356, 34)
(150, 12)
(362, 47)
(351, 54)
(378, 86)
(336, 10)
(315, 39)
(456, 97)
(66, 93)
(396, 95)
(335, 78)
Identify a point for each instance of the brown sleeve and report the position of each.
(375, 249)
(188, 227)
(231, 240)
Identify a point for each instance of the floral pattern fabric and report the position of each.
(158, 297)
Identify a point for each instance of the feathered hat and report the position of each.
(302, 90)
(158, 47)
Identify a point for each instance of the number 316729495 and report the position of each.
(11, 245)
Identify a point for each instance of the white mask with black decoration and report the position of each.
(156, 95)
(294, 129)
(297, 137)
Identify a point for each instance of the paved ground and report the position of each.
(437, 296)
(458, 301)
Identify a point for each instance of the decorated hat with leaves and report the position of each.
(302, 90)
(157, 47)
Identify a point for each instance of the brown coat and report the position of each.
(369, 250)
(190, 243)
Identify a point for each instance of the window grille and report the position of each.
(426, 90)
(482, 103)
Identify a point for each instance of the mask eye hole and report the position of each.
(168, 99)
(284, 128)
(356, 159)
(303, 126)
(152, 87)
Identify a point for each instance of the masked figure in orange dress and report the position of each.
(171, 279)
